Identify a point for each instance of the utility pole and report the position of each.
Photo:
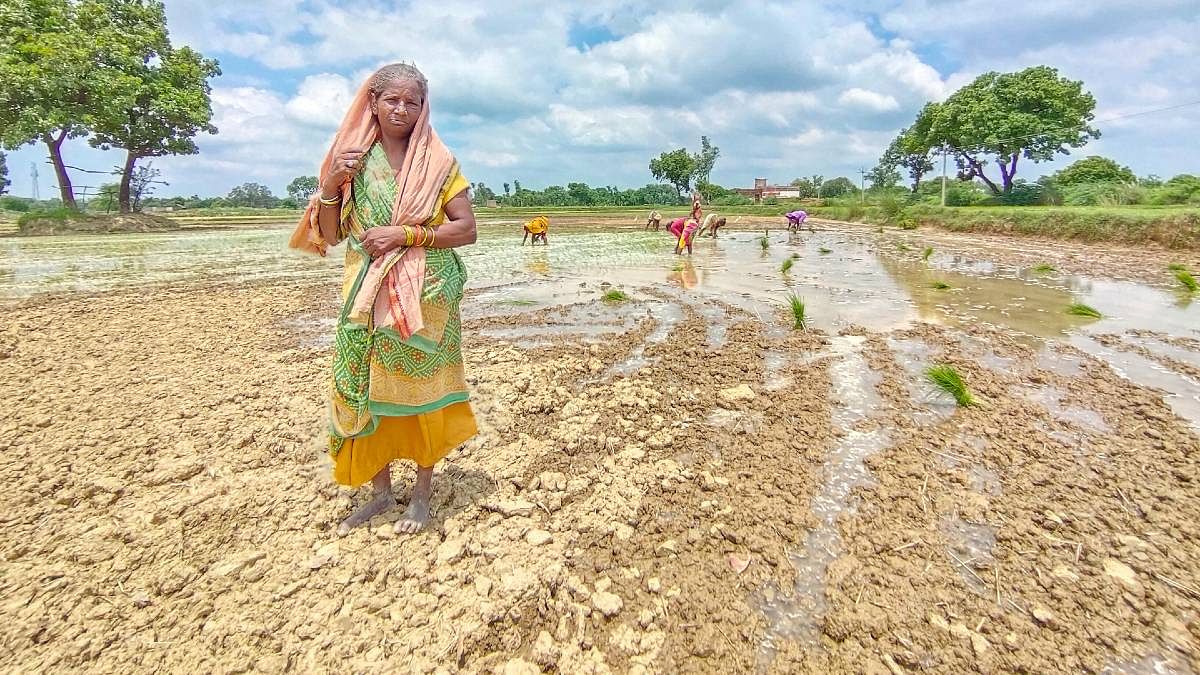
(943, 174)
(862, 182)
(33, 174)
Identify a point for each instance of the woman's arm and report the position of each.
(459, 228)
(343, 168)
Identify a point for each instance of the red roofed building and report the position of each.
(761, 190)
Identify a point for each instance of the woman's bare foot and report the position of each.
(381, 502)
(417, 516)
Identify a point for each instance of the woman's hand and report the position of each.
(378, 241)
(345, 166)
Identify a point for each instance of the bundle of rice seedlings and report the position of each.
(926, 253)
(799, 318)
(614, 295)
(947, 379)
(1189, 282)
(787, 265)
(940, 285)
(1175, 267)
(1043, 268)
(1080, 309)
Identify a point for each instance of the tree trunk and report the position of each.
(54, 145)
(126, 177)
(978, 171)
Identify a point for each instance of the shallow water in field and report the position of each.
(844, 280)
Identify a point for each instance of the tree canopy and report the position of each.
(1094, 169)
(3, 174)
(837, 187)
(684, 170)
(303, 187)
(252, 194)
(998, 117)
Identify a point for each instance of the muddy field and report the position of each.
(675, 483)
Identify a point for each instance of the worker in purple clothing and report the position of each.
(796, 219)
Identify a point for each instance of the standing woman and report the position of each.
(392, 191)
(695, 215)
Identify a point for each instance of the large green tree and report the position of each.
(676, 167)
(170, 102)
(252, 194)
(302, 188)
(836, 187)
(1094, 169)
(685, 170)
(67, 66)
(909, 151)
(1033, 114)
(3, 174)
(705, 160)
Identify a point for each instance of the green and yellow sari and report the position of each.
(393, 398)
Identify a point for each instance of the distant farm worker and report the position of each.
(796, 219)
(393, 192)
(684, 230)
(695, 214)
(712, 223)
(654, 221)
(538, 227)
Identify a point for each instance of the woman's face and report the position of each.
(397, 108)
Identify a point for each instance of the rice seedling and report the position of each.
(1080, 309)
(1176, 267)
(764, 242)
(787, 265)
(926, 253)
(796, 256)
(903, 247)
(519, 302)
(824, 251)
(614, 295)
(1189, 282)
(1043, 268)
(677, 267)
(947, 379)
(940, 285)
(799, 317)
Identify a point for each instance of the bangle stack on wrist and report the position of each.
(329, 201)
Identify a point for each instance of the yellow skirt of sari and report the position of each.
(424, 438)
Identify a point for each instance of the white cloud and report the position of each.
(856, 97)
(784, 88)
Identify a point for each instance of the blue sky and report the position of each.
(548, 92)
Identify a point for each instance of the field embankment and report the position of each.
(65, 221)
(1167, 226)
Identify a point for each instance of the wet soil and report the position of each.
(676, 483)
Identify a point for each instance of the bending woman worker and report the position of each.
(392, 191)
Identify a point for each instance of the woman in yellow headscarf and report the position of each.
(538, 227)
(392, 190)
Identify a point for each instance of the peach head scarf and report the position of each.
(392, 286)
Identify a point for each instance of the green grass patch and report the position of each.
(1043, 268)
(799, 314)
(947, 379)
(614, 295)
(1187, 280)
(940, 285)
(1176, 267)
(1080, 309)
(787, 265)
(926, 254)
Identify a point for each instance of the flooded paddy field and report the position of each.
(679, 482)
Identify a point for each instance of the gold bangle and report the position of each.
(332, 201)
(432, 236)
(428, 236)
(420, 236)
(408, 236)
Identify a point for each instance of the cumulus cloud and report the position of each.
(549, 92)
